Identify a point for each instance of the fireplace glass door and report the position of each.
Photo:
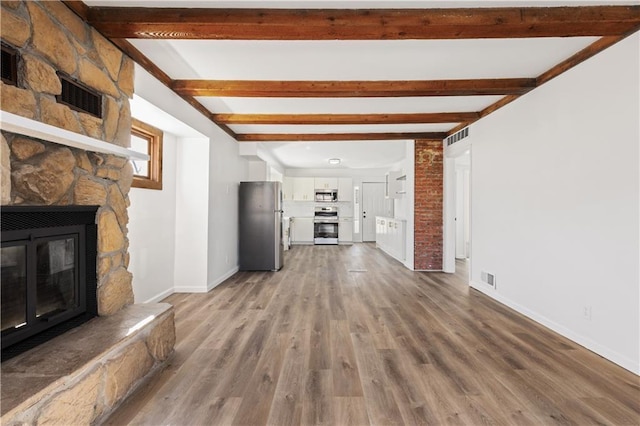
(40, 281)
(14, 286)
(57, 277)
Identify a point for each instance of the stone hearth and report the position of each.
(79, 377)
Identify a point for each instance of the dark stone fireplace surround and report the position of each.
(28, 226)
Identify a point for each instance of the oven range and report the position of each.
(325, 225)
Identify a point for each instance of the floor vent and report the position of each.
(9, 65)
(457, 136)
(488, 278)
(79, 97)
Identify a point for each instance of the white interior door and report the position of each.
(372, 205)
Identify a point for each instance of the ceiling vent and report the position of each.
(457, 136)
(79, 97)
(9, 65)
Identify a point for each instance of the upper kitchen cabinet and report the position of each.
(287, 189)
(345, 189)
(303, 189)
(326, 183)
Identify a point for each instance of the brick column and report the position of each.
(429, 195)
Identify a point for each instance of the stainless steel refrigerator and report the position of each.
(260, 226)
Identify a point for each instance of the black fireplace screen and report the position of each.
(48, 285)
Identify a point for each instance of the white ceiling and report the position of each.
(347, 105)
(353, 155)
(352, 60)
(359, 60)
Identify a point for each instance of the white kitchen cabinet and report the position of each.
(287, 189)
(301, 230)
(345, 230)
(303, 189)
(390, 236)
(326, 183)
(345, 189)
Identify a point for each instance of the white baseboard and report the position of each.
(603, 351)
(211, 285)
(190, 289)
(160, 296)
(224, 277)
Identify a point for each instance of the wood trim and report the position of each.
(82, 10)
(362, 24)
(310, 137)
(155, 138)
(495, 106)
(581, 56)
(79, 8)
(352, 89)
(438, 117)
(164, 78)
(586, 53)
(142, 60)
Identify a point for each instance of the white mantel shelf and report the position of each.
(35, 129)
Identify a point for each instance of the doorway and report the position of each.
(463, 168)
(373, 204)
(458, 246)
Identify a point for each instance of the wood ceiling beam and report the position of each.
(362, 24)
(414, 118)
(83, 11)
(576, 59)
(312, 137)
(353, 89)
(165, 79)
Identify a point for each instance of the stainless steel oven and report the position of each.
(325, 225)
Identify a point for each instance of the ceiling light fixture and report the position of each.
(334, 161)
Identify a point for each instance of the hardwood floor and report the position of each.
(346, 335)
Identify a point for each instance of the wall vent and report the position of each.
(79, 97)
(9, 65)
(457, 136)
(488, 278)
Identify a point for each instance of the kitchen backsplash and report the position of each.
(305, 209)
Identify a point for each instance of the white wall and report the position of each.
(225, 170)
(258, 171)
(192, 211)
(168, 238)
(555, 203)
(152, 232)
(404, 207)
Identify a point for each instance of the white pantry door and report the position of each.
(372, 206)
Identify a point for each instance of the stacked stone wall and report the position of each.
(50, 39)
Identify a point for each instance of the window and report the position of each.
(147, 140)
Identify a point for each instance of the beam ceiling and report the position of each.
(359, 24)
(313, 137)
(353, 89)
(438, 117)
(611, 23)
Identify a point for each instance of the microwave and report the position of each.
(326, 195)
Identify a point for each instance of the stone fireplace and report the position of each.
(48, 273)
(99, 363)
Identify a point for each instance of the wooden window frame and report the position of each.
(154, 137)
